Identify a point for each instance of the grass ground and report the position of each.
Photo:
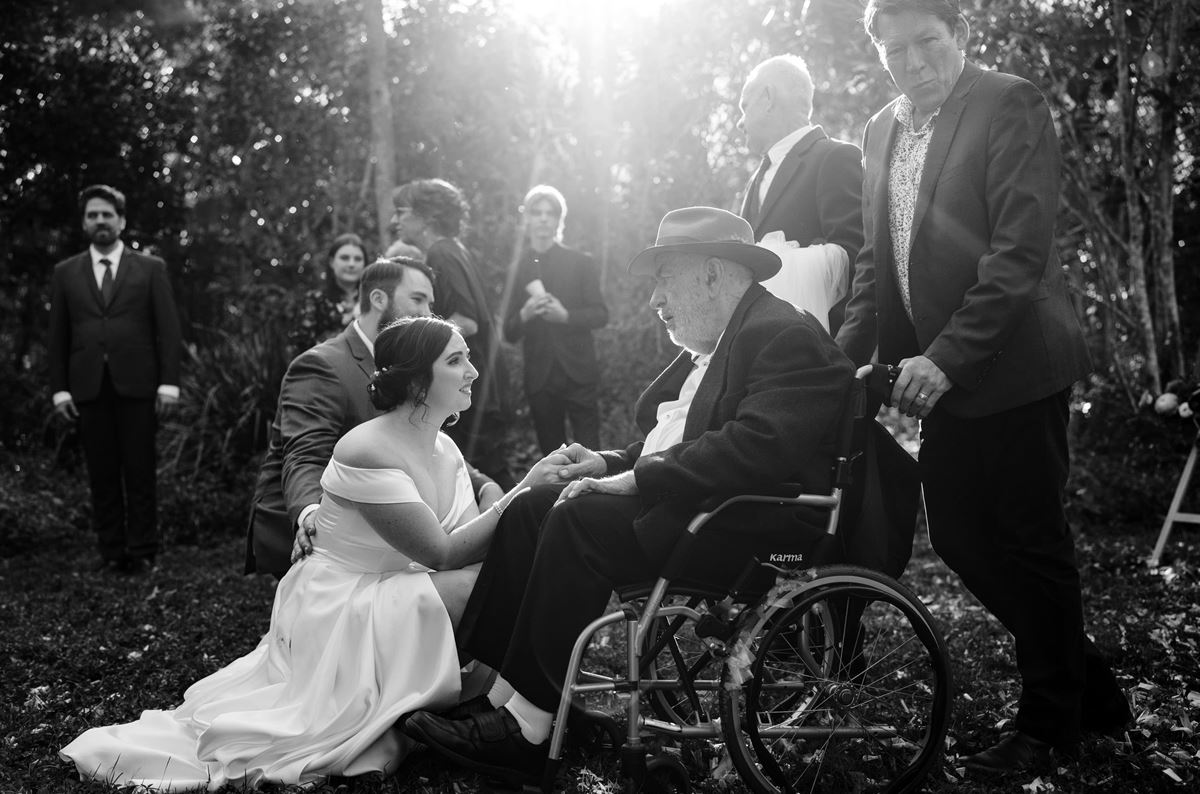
(81, 649)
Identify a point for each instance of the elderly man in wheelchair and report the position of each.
(817, 678)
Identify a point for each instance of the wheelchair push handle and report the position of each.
(879, 380)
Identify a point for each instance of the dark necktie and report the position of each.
(106, 283)
(755, 205)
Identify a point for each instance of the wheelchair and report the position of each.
(816, 676)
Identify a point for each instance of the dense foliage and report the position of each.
(241, 130)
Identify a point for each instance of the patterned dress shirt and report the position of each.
(904, 177)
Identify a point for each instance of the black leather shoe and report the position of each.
(108, 566)
(1016, 752)
(459, 711)
(140, 566)
(489, 743)
(476, 705)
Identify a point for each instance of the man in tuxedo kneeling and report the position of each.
(751, 401)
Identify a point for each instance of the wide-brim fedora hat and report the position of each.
(711, 232)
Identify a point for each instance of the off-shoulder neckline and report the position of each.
(369, 468)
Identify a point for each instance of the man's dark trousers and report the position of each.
(550, 572)
(560, 399)
(117, 434)
(531, 600)
(994, 496)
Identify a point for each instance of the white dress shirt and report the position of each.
(114, 257)
(672, 414)
(363, 336)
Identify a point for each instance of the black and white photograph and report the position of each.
(597, 396)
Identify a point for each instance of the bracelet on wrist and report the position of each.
(496, 506)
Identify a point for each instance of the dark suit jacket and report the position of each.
(571, 277)
(990, 304)
(323, 396)
(137, 335)
(766, 412)
(816, 195)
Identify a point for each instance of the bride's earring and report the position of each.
(451, 420)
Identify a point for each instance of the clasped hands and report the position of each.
(545, 306)
(583, 472)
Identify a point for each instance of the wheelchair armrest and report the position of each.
(785, 490)
(782, 494)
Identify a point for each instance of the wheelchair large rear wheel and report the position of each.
(837, 684)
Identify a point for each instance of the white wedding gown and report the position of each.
(358, 637)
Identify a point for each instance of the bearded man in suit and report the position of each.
(324, 395)
(115, 345)
(959, 283)
(752, 401)
(808, 186)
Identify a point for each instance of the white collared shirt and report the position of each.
(777, 153)
(114, 257)
(672, 414)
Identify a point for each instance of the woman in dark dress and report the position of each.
(325, 311)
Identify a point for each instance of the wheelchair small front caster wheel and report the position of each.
(594, 730)
(666, 774)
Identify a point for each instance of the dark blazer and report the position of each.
(816, 195)
(571, 277)
(323, 396)
(766, 412)
(990, 303)
(137, 335)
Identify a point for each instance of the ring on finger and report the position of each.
(922, 396)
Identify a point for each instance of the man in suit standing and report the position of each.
(753, 399)
(960, 284)
(114, 349)
(323, 395)
(808, 185)
(555, 306)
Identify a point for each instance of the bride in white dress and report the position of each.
(362, 630)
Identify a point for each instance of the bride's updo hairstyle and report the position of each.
(404, 355)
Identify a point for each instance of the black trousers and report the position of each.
(117, 434)
(550, 571)
(993, 490)
(561, 399)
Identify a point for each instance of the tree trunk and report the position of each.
(1168, 144)
(383, 154)
(1134, 211)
